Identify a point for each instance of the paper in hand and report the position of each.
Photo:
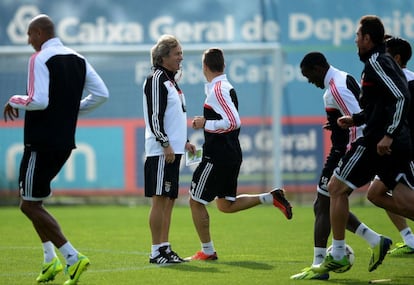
(191, 158)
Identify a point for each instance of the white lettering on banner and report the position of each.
(263, 140)
(12, 153)
(238, 71)
(241, 72)
(400, 24)
(246, 143)
(303, 27)
(297, 163)
(253, 164)
(293, 146)
(142, 70)
(259, 30)
(17, 28)
(193, 31)
(88, 154)
(292, 73)
(72, 31)
(192, 73)
(289, 163)
(15, 151)
(300, 141)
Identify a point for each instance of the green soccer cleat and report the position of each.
(308, 274)
(378, 253)
(75, 270)
(49, 270)
(330, 264)
(401, 249)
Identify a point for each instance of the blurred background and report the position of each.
(264, 42)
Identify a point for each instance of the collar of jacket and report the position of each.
(379, 48)
(169, 73)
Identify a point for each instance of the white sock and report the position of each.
(208, 248)
(69, 253)
(369, 235)
(266, 198)
(48, 251)
(408, 237)
(319, 254)
(338, 249)
(154, 250)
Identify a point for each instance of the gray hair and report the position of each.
(162, 48)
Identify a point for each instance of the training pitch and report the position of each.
(257, 246)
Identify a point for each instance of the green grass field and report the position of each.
(257, 246)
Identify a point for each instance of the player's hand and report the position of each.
(327, 126)
(384, 146)
(199, 122)
(10, 112)
(190, 147)
(169, 154)
(345, 122)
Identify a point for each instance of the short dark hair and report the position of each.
(372, 25)
(43, 22)
(214, 59)
(399, 46)
(314, 58)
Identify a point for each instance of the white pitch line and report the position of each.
(151, 266)
(91, 270)
(85, 249)
(109, 270)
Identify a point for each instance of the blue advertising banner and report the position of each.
(109, 160)
(96, 164)
(116, 37)
(297, 25)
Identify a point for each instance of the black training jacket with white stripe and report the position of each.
(57, 77)
(384, 98)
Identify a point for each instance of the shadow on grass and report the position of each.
(360, 282)
(192, 267)
(248, 264)
(215, 266)
(409, 279)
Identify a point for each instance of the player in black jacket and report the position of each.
(57, 77)
(384, 150)
(400, 50)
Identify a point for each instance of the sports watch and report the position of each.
(165, 144)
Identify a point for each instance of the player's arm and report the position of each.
(339, 139)
(411, 112)
(358, 119)
(98, 92)
(37, 97)
(156, 100)
(394, 113)
(396, 99)
(339, 136)
(222, 104)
